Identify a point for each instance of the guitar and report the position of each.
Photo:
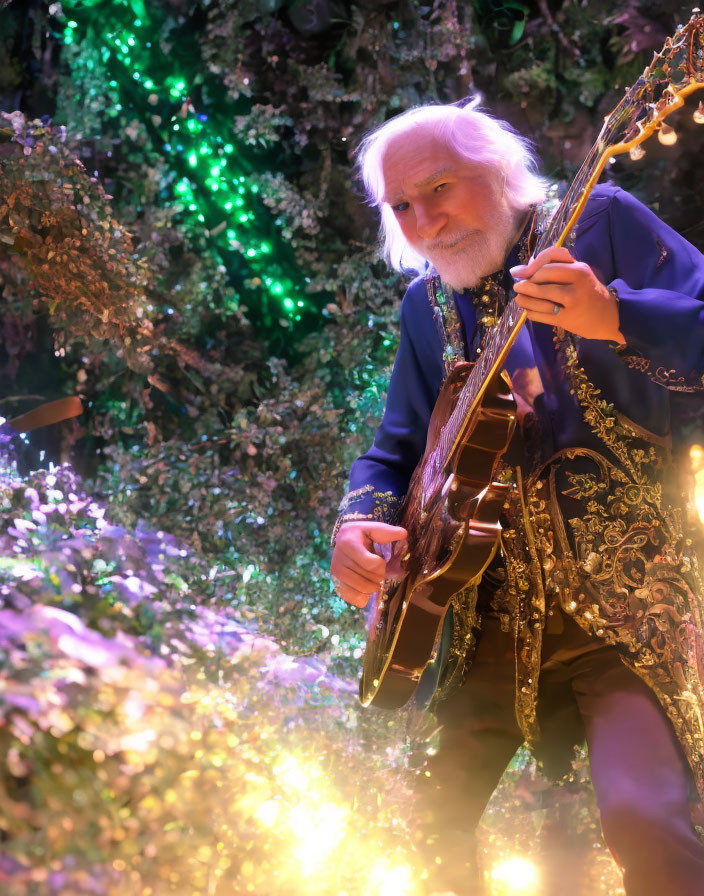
(452, 508)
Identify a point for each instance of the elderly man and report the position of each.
(589, 622)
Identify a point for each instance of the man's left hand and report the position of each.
(557, 290)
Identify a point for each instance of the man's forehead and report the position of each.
(416, 159)
(436, 172)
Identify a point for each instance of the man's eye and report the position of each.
(439, 187)
(401, 207)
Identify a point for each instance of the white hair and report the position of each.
(472, 135)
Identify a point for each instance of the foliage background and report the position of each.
(214, 415)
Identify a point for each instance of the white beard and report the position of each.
(479, 255)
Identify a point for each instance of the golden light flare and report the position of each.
(264, 778)
(696, 456)
(268, 813)
(318, 829)
(514, 876)
(387, 877)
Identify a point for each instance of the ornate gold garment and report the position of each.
(603, 535)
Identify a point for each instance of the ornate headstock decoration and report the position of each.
(675, 72)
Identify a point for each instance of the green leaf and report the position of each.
(517, 31)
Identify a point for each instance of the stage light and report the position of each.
(696, 456)
(386, 878)
(514, 876)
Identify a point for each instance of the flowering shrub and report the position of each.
(135, 712)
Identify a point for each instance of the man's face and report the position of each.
(450, 210)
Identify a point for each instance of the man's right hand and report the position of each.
(357, 572)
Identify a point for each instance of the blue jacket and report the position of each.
(653, 380)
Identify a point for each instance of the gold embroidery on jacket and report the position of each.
(633, 574)
(384, 508)
(464, 638)
(671, 379)
(447, 321)
(622, 565)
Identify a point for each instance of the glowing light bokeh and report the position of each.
(387, 877)
(513, 876)
(696, 456)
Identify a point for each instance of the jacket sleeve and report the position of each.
(379, 478)
(660, 285)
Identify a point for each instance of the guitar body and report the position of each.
(453, 533)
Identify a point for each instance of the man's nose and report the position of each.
(429, 221)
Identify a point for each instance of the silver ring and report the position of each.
(556, 308)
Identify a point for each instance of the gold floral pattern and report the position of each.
(355, 495)
(465, 624)
(671, 379)
(384, 508)
(602, 535)
(619, 559)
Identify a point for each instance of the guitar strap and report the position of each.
(446, 320)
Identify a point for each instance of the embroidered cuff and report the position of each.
(670, 379)
(381, 507)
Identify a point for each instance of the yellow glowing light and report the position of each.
(514, 875)
(696, 456)
(294, 773)
(385, 878)
(138, 740)
(637, 153)
(319, 829)
(268, 813)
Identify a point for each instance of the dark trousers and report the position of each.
(641, 778)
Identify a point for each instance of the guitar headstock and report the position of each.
(675, 72)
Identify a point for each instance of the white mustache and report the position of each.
(452, 243)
